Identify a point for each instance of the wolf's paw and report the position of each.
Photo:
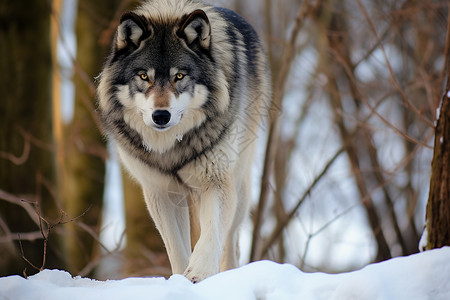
(198, 273)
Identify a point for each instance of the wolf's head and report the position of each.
(161, 74)
(160, 66)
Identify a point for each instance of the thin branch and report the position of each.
(93, 263)
(28, 140)
(282, 225)
(18, 160)
(21, 202)
(24, 236)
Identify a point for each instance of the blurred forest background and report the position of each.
(346, 177)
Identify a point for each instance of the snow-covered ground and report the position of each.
(421, 276)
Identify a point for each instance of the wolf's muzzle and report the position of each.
(161, 117)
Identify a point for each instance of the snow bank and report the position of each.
(421, 276)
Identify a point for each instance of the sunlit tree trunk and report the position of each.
(26, 138)
(85, 154)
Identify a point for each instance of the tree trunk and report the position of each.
(438, 206)
(27, 166)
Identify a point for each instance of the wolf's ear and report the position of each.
(132, 30)
(196, 30)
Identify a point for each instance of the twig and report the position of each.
(45, 233)
(26, 259)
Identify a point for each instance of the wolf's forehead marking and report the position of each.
(151, 72)
(173, 71)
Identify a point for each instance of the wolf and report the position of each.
(183, 95)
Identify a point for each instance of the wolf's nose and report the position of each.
(161, 117)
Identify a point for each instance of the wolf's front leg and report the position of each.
(172, 221)
(217, 207)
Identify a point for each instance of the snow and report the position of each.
(423, 243)
(421, 276)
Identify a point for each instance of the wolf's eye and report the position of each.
(179, 76)
(144, 76)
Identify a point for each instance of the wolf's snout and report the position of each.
(161, 117)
